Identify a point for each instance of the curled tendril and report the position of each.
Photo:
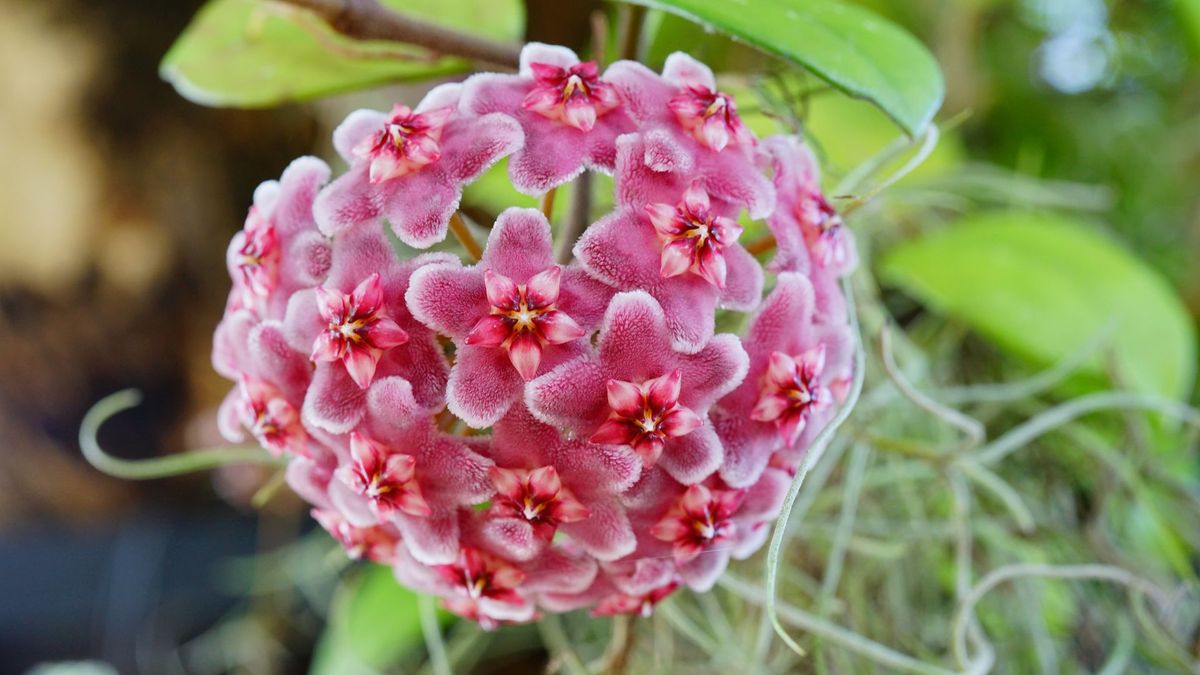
(158, 467)
(818, 445)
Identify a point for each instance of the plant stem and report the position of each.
(630, 30)
(433, 635)
(547, 202)
(599, 23)
(158, 467)
(577, 217)
(463, 234)
(369, 20)
(761, 245)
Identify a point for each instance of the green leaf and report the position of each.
(251, 53)
(373, 623)
(1042, 286)
(852, 48)
(1188, 14)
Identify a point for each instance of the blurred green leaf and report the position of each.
(850, 47)
(669, 33)
(373, 623)
(250, 53)
(1150, 530)
(1042, 286)
(1188, 12)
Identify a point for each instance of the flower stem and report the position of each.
(370, 20)
(547, 203)
(630, 30)
(577, 217)
(432, 632)
(761, 245)
(158, 467)
(464, 236)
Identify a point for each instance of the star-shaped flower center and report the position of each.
(370, 543)
(271, 419)
(792, 391)
(823, 230)
(643, 416)
(642, 605)
(385, 477)
(406, 143)
(258, 257)
(523, 318)
(700, 518)
(358, 330)
(478, 575)
(693, 237)
(575, 96)
(537, 496)
(710, 116)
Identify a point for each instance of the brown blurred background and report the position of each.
(119, 199)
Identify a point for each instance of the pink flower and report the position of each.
(688, 131)
(335, 402)
(377, 544)
(782, 401)
(808, 231)
(629, 449)
(710, 116)
(384, 476)
(406, 143)
(480, 580)
(278, 251)
(511, 316)
(571, 116)
(645, 415)
(693, 237)
(271, 419)
(523, 318)
(358, 332)
(625, 250)
(537, 496)
(593, 476)
(257, 259)
(574, 95)
(635, 347)
(410, 167)
(451, 472)
(641, 605)
(700, 519)
(792, 392)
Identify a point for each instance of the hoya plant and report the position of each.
(522, 411)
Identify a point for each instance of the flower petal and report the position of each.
(490, 331)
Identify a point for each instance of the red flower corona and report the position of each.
(407, 142)
(699, 519)
(537, 496)
(645, 415)
(358, 332)
(792, 392)
(693, 237)
(574, 95)
(524, 319)
(710, 116)
(385, 477)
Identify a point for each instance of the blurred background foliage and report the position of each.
(1056, 221)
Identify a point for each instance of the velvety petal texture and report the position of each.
(558, 425)
(570, 115)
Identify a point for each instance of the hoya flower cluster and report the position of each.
(514, 434)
